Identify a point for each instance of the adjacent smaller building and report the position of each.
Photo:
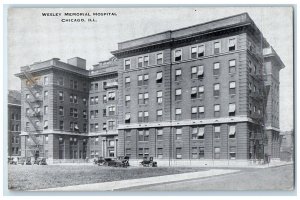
(287, 146)
(14, 123)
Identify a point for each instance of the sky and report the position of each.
(33, 37)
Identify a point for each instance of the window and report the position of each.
(146, 61)
(178, 75)
(159, 58)
(127, 135)
(104, 112)
(194, 93)
(127, 118)
(128, 152)
(217, 131)
(217, 47)
(146, 98)
(231, 66)
(159, 153)
(104, 126)
(96, 100)
(193, 52)
(104, 99)
(232, 131)
(60, 80)
(141, 98)
(45, 110)
(96, 86)
(140, 61)
(216, 89)
(60, 95)
(71, 112)
(178, 55)
(46, 80)
(27, 126)
(178, 95)
(127, 100)
(159, 77)
(45, 124)
(96, 129)
(197, 133)
(61, 110)
(232, 152)
(45, 95)
(28, 96)
(197, 72)
(159, 97)
(111, 125)
(61, 125)
(71, 126)
(178, 153)
(231, 109)
(84, 114)
(143, 135)
(104, 84)
(159, 133)
(201, 49)
(127, 82)
(217, 110)
(178, 133)
(232, 88)
(146, 79)
(127, 64)
(75, 84)
(75, 99)
(217, 153)
(140, 116)
(216, 70)
(140, 80)
(197, 51)
(71, 98)
(178, 114)
(201, 92)
(111, 96)
(194, 113)
(76, 128)
(194, 152)
(159, 115)
(201, 112)
(146, 116)
(232, 44)
(111, 110)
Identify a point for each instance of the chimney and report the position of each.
(78, 62)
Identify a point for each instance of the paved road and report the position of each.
(275, 178)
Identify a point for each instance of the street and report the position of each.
(274, 178)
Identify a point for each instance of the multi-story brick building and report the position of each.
(14, 123)
(200, 92)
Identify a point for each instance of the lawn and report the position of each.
(31, 177)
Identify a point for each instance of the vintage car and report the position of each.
(148, 162)
(28, 161)
(113, 162)
(40, 161)
(21, 161)
(12, 161)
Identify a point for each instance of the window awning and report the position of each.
(146, 77)
(146, 95)
(201, 109)
(127, 116)
(140, 78)
(231, 107)
(232, 42)
(178, 72)
(200, 70)
(146, 114)
(194, 70)
(76, 127)
(159, 94)
(200, 131)
(178, 111)
(194, 90)
(178, 92)
(158, 76)
(201, 89)
(159, 112)
(201, 48)
(232, 130)
(194, 109)
(232, 84)
(232, 63)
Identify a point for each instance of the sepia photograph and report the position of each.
(150, 99)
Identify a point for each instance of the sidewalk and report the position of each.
(114, 185)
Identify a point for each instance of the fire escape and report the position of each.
(34, 115)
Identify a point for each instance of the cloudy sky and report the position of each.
(33, 38)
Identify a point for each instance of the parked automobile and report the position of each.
(113, 162)
(21, 161)
(148, 162)
(12, 161)
(40, 161)
(28, 161)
